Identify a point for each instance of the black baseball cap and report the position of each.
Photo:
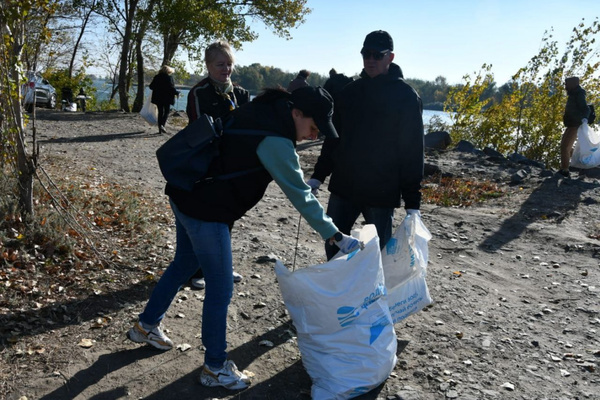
(380, 41)
(316, 102)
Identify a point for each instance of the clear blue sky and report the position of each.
(431, 37)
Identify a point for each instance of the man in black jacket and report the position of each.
(576, 113)
(378, 158)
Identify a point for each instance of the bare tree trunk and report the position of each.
(25, 164)
(124, 78)
(171, 43)
(86, 18)
(139, 98)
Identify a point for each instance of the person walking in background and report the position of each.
(81, 98)
(334, 85)
(379, 157)
(576, 113)
(216, 95)
(204, 215)
(299, 81)
(163, 94)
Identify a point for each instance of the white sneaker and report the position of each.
(237, 277)
(155, 337)
(228, 376)
(199, 283)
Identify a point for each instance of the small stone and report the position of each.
(439, 322)
(564, 373)
(184, 346)
(245, 315)
(508, 386)
(266, 343)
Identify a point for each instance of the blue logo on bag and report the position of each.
(392, 246)
(372, 298)
(347, 315)
(377, 328)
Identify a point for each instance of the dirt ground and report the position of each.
(515, 282)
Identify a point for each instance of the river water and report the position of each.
(103, 93)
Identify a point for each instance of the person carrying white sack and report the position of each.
(379, 156)
(576, 113)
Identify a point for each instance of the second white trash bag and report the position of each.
(149, 111)
(586, 153)
(404, 262)
(345, 331)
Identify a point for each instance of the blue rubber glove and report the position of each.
(314, 185)
(347, 244)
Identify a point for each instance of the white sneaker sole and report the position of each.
(136, 336)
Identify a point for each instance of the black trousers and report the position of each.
(163, 113)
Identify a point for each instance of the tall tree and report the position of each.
(85, 10)
(190, 23)
(15, 15)
(144, 20)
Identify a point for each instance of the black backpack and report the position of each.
(184, 159)
(592, 116)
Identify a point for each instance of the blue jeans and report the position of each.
(206, 245)
(345, 213)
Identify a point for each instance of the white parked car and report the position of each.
(45, 94)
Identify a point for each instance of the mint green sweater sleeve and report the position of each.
(278, 156)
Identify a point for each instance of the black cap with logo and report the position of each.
(316, 102)
(379, 41)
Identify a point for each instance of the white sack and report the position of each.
(404, 262)
(586, 154)
(345, 331)
(149, 111)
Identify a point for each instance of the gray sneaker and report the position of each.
(228, 376)
(200, 283)
(154, 337)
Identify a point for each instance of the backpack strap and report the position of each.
(250, 132)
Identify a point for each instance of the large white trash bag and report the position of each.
(149, 111)
(404, 262)
(345, 331)
(586, 153)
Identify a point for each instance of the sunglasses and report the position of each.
(372, 54)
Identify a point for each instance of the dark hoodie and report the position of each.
(379, 157)
(576, 108)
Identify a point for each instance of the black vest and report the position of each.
(228, 200)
